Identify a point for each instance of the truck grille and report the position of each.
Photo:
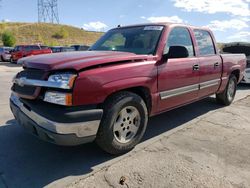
(28, 91)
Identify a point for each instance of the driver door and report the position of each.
(178, 78)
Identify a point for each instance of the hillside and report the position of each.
(32, 33)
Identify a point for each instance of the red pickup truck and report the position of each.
(106, 94)
(28, 50)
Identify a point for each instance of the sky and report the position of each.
(228, 19)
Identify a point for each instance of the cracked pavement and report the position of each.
(212, 151)
(199, 145)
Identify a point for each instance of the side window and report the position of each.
(205, 42)
(27, 48)
(34, 48)
(18, 48)
(180, 36)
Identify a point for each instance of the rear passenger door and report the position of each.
(178, 78)
(210, 63)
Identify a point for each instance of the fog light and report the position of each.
(58, 98)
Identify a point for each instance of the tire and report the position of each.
(123, 123)
(227, 96)
(11, 60)
(2, 59)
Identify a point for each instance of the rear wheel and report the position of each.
(228, 95)
(123, 124)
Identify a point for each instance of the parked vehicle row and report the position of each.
(57, 49)
(108, 93)
(28, 50)
(21, 51)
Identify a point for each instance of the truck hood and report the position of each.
(78, 60)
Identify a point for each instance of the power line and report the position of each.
(48, 11)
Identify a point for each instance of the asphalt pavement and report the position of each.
(25, 161)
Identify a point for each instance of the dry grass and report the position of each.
(32, 33)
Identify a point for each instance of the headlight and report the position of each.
(58, 98)
(64, 80)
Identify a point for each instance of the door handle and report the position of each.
(196, 67)
(216, 64)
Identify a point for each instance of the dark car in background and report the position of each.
(80, 47)
(5, 53)
(58, 49)
(240, 47)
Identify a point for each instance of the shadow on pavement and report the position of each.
(243, 86)
(8, 64)
(26, 161)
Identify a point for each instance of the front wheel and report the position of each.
(228, 95)
(123, 124)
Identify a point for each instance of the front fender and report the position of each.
(92, 92)
(119, 85)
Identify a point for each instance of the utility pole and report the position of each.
(48, 11)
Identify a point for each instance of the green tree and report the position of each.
(61, 34)
(8, 39)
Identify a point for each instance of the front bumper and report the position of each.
(246, 78)
(73, 128)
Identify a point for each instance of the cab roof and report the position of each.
(162, 24)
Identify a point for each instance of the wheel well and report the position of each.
(143, 92)
(236, 73)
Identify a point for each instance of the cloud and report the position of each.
(241, 36)
(233, 7)
(5, 20)
(222, 25)
(95, 26)
(122, 16)
(174, 19)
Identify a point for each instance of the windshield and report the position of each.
(138, 40)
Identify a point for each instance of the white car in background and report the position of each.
(240, 47)
(5, 53)
(246, 78)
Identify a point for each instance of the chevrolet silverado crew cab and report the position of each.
(108, 93)
(28, 50)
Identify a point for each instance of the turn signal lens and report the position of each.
(58, 98)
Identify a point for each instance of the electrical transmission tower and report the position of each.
(48, 11)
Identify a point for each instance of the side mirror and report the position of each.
(177, 52)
